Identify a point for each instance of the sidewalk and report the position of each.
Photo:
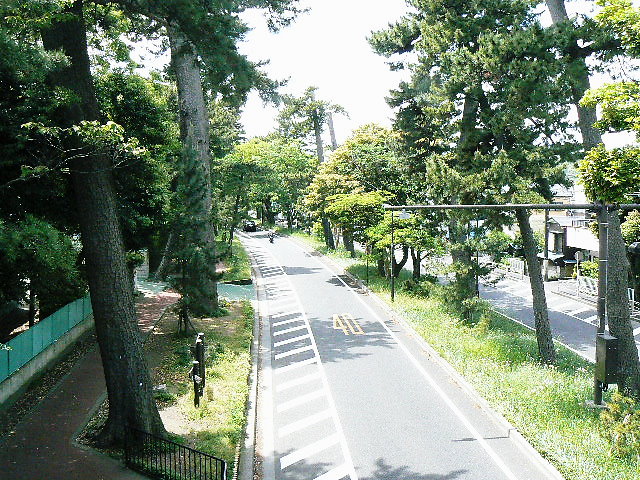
(41, 446)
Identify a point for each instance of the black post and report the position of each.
(200, 357)
(603, 255)
(195, 370)
(393, 273)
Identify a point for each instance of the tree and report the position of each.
(304, 118)
(128, 383)
(493, 79)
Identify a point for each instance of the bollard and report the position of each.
(197, 382)
(199, 354)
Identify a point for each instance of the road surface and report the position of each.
(346, 393)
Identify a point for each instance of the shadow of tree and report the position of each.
(385, 471)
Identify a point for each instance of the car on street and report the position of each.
(249, 226)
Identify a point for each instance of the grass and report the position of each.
(239, 266)
(499, 358)
(216, 426)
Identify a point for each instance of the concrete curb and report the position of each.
(522, 443)
(245, 462)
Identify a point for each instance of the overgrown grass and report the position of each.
(238, 263)
(499, 358)
(216, 426)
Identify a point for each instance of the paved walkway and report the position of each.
(41, 448)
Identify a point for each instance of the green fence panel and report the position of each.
(59, 323)
(21, 350)
(33, 341)
(4, 364)
(38, 338)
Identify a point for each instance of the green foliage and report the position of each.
(36, 256)
(631, 227)
(621, 426)
(357, 211)
(497, 243)
(610, 175)
(589, 268)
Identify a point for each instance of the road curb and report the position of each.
(246, 456)
(525, 447)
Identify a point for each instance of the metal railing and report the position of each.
(159, 458)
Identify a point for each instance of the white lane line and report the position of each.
(291, 340)
(580, 310)
(295, 351)
(295, 366)
(335, 474)
(301, 400)
(305, 423)
(306, 452)
(325, 383)
(284, 314)
(289, 330)
(434, 385)
(298, 381)
(591, 319)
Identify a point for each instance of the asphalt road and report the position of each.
(573, 322)
(344, 392)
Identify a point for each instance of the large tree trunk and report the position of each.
(163, 269)
(618, 309)
(541, 314)
(328, 233)
(128, 382)
(580, 81)
(194, 133)
(268, 212)
(416, 258)
(332, 132)
(398, 266)
(347, 239)
(234, 216)
(317, 130)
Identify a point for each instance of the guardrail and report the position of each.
(159, 458)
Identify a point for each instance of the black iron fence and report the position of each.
(163, 459)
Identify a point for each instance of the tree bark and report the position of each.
(328, 233)
(194, 133)
(580, 83)
(416, 258)
(618, 310)
(127, 378)
(347, 238)
(332, 132)
(234, 216)
(398, 266)
(163, 269)
(317, 129)
(544, 337)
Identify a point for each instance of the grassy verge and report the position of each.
(499, 358)
(239, 266)
(216, 426)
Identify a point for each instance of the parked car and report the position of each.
(249, 226)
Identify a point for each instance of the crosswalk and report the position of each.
(556, 303)
(308, 438)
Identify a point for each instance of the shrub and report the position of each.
(621, 424)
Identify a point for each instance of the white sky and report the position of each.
(327, 48)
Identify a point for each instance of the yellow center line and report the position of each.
(346, 323)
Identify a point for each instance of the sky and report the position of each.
(327, 48)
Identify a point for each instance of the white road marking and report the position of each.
(295, 351)
(636, 332)
(335, 474)
(580, 310)
(295, 366)
(284, 314)
(298, 381)
(305, 422)
(301, 400)
(563, 306)
(591, 319)
(289, 330)
(434, 385)
(291, 340)
(306, 452)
